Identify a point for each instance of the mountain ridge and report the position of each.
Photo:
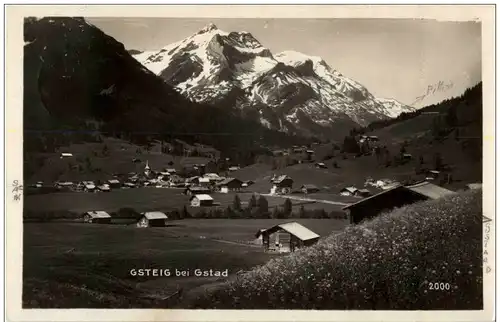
(290, 91)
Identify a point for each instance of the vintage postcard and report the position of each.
(250, 162)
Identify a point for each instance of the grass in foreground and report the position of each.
(387, 263)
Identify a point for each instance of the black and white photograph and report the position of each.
(257, 163)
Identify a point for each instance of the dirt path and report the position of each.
(235, 243)
(306, 199)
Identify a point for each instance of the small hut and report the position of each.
(286, 237)
(201, 201)
(96, 217)
(152, 219)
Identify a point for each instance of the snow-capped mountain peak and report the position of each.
(291, 91)
(208, 28)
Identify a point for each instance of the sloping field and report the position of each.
(388, 263)
(69, 265)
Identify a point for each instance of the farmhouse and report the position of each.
(229, 184)
(395, 197)
(114, 183)
(67, 185)
(348, 191)
(321, 165)
(104, 188)
(205, 182)
(152, 219)
(282, 184)
(96, 217)
(201, 201)
(196, 190)
(213, 177)
(309, 188)
(286, 237)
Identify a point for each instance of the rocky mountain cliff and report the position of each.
(78, 79)
(288, 91)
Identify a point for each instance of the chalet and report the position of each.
(349, 191)
(234, 168)
(205, 182)
(213, 177)
(66, 155)
(321, 165)
(88, 186)
(152, 219)
(286, 237)
(104, 188)
(64, 185)
(128, 185)
(397, 196)
(190, 191)
(309, 188)
(171, 171)
(229, 184)
(309, 151)
(282, 184)
(114, 183)
(96, 217)
(201, 201)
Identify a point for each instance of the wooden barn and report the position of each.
(152, 219)
(392, 198)
(201, 201)
(96, 217)
(309, 188)
(286, 237)
(229, 184)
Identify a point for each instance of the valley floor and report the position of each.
(73, 265)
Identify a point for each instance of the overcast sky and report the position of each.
(392, 58)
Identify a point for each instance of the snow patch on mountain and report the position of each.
(298, 90)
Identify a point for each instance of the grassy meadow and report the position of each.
(73, 265)
(387, 263)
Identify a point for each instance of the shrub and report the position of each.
(383, 264)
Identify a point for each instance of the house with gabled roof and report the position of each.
(286, 237)
(96, 217)
(397, 196)
(201, 201)
(152, 219)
